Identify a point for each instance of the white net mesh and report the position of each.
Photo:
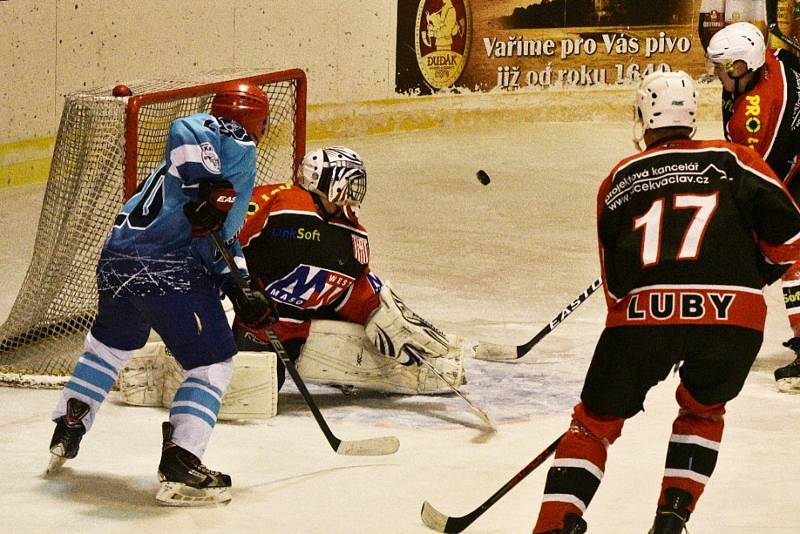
(43, 334)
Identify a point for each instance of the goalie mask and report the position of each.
(664, 100)
(337, 174)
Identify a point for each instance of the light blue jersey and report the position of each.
(151, 250)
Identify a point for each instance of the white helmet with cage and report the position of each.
(338, 174)
(740, 41)
(665, 99)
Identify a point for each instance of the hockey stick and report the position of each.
(774, 30)
(502, 353)
(475, 409)
(363, 447)
(439, 522)
(772, 25)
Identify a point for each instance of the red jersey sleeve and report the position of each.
(362, 300)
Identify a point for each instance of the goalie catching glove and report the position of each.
(209, 211)
(399, 333)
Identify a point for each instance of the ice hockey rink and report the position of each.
(493, 263)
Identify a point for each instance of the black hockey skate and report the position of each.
(671, 517)
(185, 481)
(67, 435)
(788, 377)
(573, 524)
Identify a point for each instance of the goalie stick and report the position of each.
(475, 409)
(363, 447)
(495, 352)
(439, 522)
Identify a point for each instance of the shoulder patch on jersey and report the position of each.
(209, 158)
(233, 129)
(360, 249)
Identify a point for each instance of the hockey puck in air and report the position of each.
(483, 177)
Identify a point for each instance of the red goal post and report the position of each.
(105, 147)
(139, 161)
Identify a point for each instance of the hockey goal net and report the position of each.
(105, 146)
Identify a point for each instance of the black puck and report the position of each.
(483, 177)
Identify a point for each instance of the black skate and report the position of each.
(67, 435)
(573, 524)
(185, 481)
(671, 517)
(788, 377)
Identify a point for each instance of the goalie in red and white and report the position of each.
(306, 250)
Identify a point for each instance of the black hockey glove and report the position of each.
(253, 308)
(208, 212)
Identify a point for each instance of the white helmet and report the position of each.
(740, 41)
(337, 173)
(665, 99)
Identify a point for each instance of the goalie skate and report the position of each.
(185, 481)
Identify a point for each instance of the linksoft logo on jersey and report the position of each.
(309, 287)
(299, 233)
(443, 32)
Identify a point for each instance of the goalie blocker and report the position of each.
(336, 353)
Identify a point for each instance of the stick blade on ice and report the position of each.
(495, 352)
(369, 447)
(433, 518)
(484, 417)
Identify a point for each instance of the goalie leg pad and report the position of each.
(339, 353)
(141, 382)
(152, 378)
(399, 333)
(253, 391)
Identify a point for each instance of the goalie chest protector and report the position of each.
(303, 259)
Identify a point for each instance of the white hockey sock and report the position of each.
(92, 378)
(196, 404)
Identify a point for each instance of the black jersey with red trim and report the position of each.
(310, 265)
(766, 117)
(689, 231)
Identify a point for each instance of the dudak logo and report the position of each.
(442, 37)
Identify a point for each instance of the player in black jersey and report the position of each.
(686, 229)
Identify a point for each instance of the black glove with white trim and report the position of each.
(209, 211)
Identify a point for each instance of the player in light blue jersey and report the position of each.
(158, 269)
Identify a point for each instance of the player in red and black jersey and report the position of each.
(761, 109)
(689, 232)
(307, 251)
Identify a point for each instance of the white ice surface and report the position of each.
(493, 263)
